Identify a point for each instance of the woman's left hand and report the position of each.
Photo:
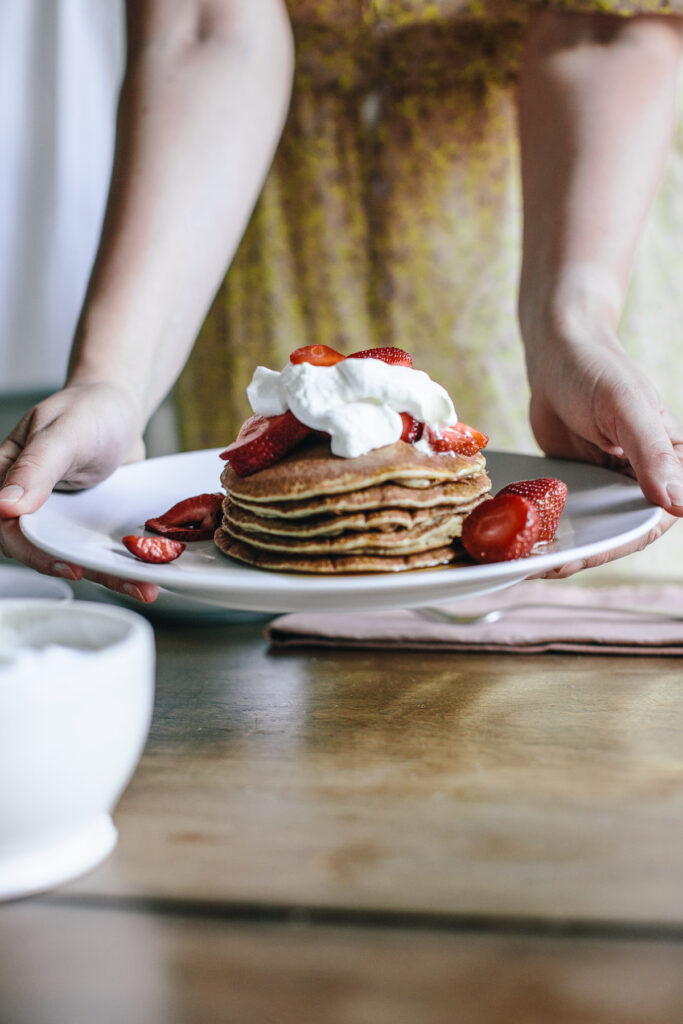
(597, 111)
(590, 403)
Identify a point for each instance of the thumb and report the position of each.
(650, 439)
(30, 474)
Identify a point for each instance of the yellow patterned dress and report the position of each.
(392, 216)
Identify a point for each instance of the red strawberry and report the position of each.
(501, 529)
(549, 497)
(318, 355)
(192, 519)
(461, 439)
(387, 353)
(264, 440)
(153, 549)
(412, 428)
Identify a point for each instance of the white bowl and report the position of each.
(16, 581)
(76, 694)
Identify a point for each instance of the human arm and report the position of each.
(202, 105)
(596, 110)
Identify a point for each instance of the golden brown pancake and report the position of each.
(312, 470)
(383, 520)
(331, 525)
(420, 538)
(335, 564)
(381, 496)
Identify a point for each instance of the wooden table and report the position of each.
(370, 837)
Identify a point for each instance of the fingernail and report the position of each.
(132, 591)
(11, 493)
(62, 569)
(572, 567)
(675, 492)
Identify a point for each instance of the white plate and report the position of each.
(603, 510)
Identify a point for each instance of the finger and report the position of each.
(654, 455)
(13, 445)
(31, 477)
(13, 544)
(144, 592)
(10, 450)
(563, 572)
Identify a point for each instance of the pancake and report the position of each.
(335, 564)
(382, 521)
(312, 470)
(381, 496)
(420, 538)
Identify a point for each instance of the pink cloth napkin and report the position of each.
(546, 627)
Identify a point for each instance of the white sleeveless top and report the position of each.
(61, 64)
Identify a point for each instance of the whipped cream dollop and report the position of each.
(358, 402)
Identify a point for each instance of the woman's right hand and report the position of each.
(70, 441)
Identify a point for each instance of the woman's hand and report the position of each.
(597, 103)
(204, 98)
(72, 440)
(589, 402)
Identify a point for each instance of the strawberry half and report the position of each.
(153, 549)
(318, 355)
(461, 439)
(263, 441)
(548, 495)
(501, 529)
(192, 519)
(387, 353)
(412, 428)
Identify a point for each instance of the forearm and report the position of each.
(202, 106)
(596, 109)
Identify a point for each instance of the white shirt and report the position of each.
(61, 63)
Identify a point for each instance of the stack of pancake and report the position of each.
(394, 509)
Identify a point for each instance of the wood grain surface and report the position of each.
(377, 838)
(66, 965)
(545, 787)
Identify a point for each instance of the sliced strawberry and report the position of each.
(194, 518)
(548, 495)
(501, 529)
(264, 440)
(387, 353)
(153, 549)
(461, 439)
(318, 355)
(412, 428)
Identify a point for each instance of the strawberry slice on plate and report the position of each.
(193, 518)
(460, 439)
(263, 441)
(503, 528)
(548, 495)
(387, 354)
(317, 355)
(153, 549)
